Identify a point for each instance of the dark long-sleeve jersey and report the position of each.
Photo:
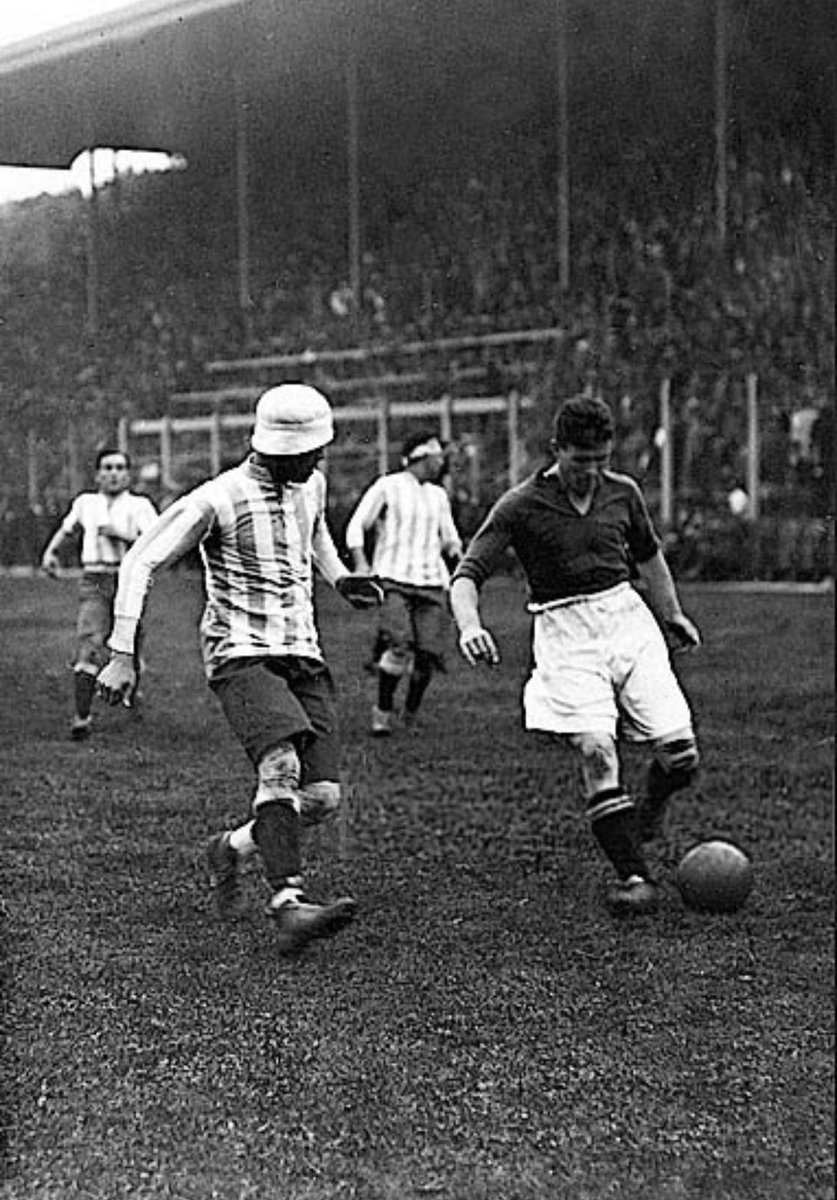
(564, 553)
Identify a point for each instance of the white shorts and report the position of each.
(598, 659)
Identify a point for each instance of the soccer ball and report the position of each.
(715, 877)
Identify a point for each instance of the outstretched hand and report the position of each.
(361, 591)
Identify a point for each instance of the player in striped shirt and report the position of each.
(108, 521)
(408, 517)
(261, 530)
(601, 663)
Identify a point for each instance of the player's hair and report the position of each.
(583, 421)
(108, 452)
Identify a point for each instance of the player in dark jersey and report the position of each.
(601, 659)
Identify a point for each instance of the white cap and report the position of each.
(292, 418)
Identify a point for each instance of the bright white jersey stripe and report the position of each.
(127, 514)
(413, 526)
(258, 547)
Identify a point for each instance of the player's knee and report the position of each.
(319, 802)
(599, 761)
(395, 660)
(278, 775)
(679, 758)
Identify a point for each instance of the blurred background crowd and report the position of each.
(467, 249)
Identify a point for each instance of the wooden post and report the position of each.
(383, 433)
(353, 181)
(122, 431)
(73, 472)
(166, 454)
(446, 417)
(92, 315)
(563, 181)
(753, 447)
(32, 468)
(245, 301)
(513, 413)
(721, 120)
(666, 456)
(215, 442)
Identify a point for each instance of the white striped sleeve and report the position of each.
(368, 510)
(177, 531)
(451, 541)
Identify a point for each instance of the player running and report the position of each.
(108, 521)
(408, 517)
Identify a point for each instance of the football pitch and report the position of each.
(485, 1029)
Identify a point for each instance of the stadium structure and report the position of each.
(441, 213)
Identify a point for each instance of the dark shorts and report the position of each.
(271, 700)
(415, 618)
(96, 594)
(96, 591)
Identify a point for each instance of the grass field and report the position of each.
(485, 1029)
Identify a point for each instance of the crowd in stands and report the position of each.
(471, 249)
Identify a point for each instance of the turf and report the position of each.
(485, 1029)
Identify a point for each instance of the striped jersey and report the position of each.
(259, 545)
(124, 515)
(412, 525)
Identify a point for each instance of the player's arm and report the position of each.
(69, 527)
(475, 642)
(665, 602)
(449, 535)
(361, 591)
(177, 531)
(369, 509)
(482, 556)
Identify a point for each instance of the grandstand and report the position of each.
(436, 293)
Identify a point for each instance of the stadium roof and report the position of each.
(171, 75)
(155, 75)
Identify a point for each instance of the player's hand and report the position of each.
(116, 682)
(477, 645)
(51, 565)
(683, 634)
(361, 591)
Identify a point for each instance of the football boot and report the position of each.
(299, 921)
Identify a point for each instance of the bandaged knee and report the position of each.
(599, 762)
(319, 802)
(395, 661)
(278, 774)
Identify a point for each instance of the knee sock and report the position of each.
(613, 822)
(85, 687)
(276, 833)
(387, 686)
(417, 686)
(661, 784)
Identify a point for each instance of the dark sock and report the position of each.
(416, 688)
(613, 821)
(387, 687)
(660, 785)
(85, 688)
(276, 833)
